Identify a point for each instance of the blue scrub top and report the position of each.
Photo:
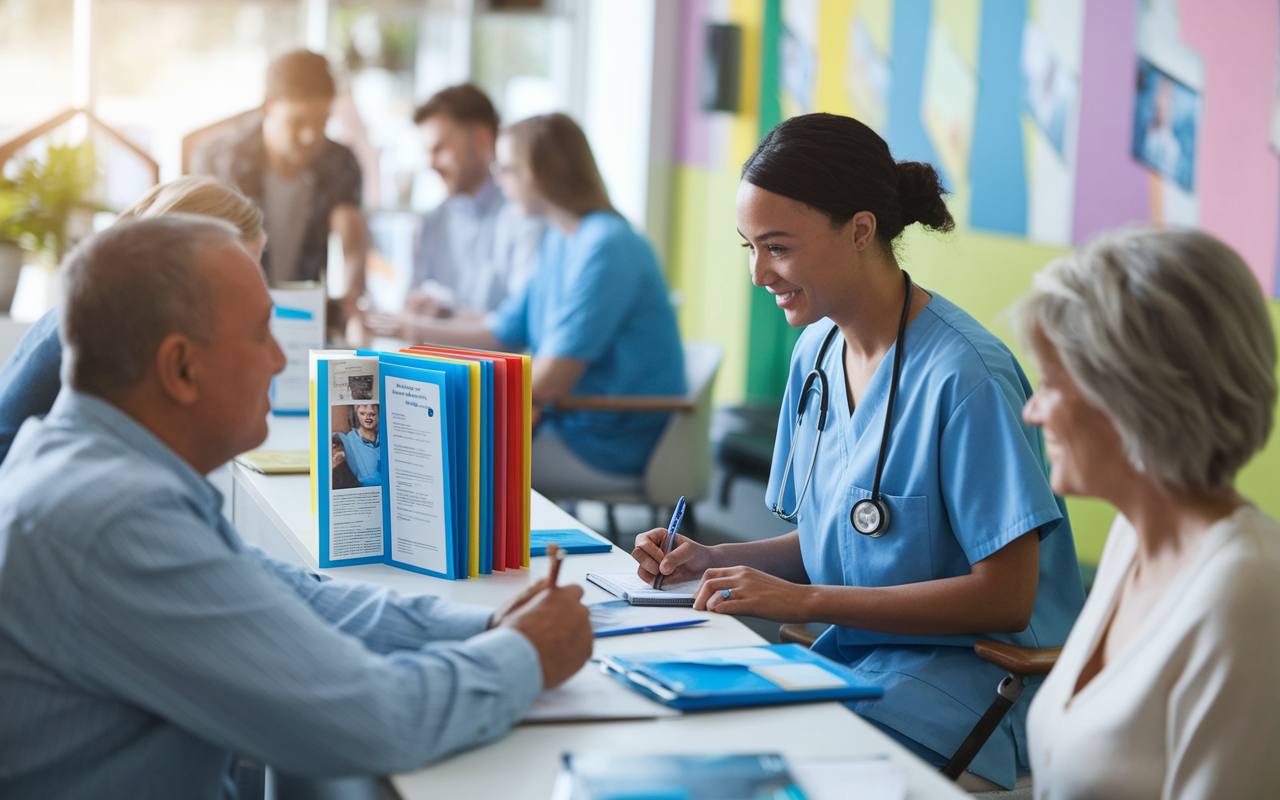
(963, 477)
(363, 456)
(30, 379)
(598, 296)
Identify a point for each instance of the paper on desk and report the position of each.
(277, 462)
(618, 617)
(794, 677)
(590, 695)
(836, 778)
(629, 585)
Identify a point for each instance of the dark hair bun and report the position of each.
(920, 194)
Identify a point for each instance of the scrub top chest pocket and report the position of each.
(903, 555)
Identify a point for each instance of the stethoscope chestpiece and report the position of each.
(870, 517)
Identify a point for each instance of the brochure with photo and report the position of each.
(410, 463)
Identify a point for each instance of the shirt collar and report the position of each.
(79, 409)
(483, 201)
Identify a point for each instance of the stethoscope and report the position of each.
(870, 516)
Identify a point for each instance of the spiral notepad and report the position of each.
(629, 587)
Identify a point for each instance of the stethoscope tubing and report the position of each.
(819, 375)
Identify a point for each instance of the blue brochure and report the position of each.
(618, 617)
(384, 465)
(570, 540)
(458, 394)
(417, 508)
(615, 776)
(728, 677)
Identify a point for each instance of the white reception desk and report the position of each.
(273, 512)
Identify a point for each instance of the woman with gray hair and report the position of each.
(1158, 363)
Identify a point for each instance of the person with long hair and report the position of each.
(924, 517)
(1158, 383)
(596, 315)
(30, 379)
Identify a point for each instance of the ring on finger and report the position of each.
(724, 593)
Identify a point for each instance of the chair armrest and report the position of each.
(793, 633)
(1018, 660)
(625, 403)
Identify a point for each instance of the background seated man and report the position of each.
(595, 314)
(306, 184)
(476, 247)
(141, 641)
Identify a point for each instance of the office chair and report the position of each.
(1022, 663)
(680, 464)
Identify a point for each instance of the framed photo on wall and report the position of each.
(1166, 125)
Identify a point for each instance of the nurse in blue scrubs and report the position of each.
(960, 537)
(595, 315)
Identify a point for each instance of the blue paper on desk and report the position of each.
(727, 677)
(627, 776)
(618, 617)
(569, 540)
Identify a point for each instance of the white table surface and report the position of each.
(274, 513)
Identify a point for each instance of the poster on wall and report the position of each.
(950, 94)
(798, 55)
(1050, 87)
(866, 77)
(1274, 137)
(1165, 124)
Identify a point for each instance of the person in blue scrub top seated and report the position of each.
(30, 379)
(361, 449)
(595, 314)
(916, 539)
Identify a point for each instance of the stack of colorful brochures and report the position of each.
(766, 776)
(420, 459)
(729, 677)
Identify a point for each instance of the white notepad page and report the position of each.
(628, 586)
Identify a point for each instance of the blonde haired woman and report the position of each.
(595, 314)
(1158, 363)
(30, 380)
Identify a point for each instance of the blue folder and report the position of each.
(729, 677)
(569, 540)
(459, 400)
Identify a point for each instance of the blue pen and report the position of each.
(677, 517)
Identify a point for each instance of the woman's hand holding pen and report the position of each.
(686, 561)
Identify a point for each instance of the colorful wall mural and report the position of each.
(1050, 120)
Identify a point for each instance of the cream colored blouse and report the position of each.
(1191, 707)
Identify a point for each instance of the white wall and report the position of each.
(619, 75)
(628, 109)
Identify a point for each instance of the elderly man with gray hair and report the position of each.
(1158, 384)
(141, 641)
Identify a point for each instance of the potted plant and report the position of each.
(44, 210)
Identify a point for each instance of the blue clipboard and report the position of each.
(732, 677)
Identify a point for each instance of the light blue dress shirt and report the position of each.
(142, 643)
(363, 457)
(964, 477)
(599, 297)
(476, 250)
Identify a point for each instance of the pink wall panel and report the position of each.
(1238, 175)
(1112, 188)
